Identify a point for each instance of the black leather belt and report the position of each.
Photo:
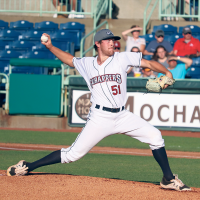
(113, 110)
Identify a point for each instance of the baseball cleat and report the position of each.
(174, 184)
(19, 169)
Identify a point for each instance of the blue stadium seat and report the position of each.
(21, 26)
(20, 46)
(37, 55)
(40, 46)
(4, 64)
(148, 38)
(5, 57)
(3, 25)
(195, 29)
(76, 28)
(3, 44)
(63, 36)
(31, 36)
(66, 46)
(172, 38)
(46, 26)
(167, 28)
(9, 35)
(7, 54)
(32, 70)
(196, 62)
(193, 72)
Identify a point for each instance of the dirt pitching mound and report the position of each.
(59, 186)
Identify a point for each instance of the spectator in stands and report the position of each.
(159, 35)
(134, 71)
(134, 40)
(135, 49)
(187, 46)
(160, 55)
(117, 46)
(147, 73)
(178, 70)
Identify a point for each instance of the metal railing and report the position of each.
(145, 19)
(5, 80)
(82, 52)
(42, 7)
(81, 8)
(173, 9)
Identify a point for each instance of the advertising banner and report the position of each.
(169, 110)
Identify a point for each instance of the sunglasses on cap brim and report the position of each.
(187, 33)
(147, 70)
(135, 31)
(117, 48)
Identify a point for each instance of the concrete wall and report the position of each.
(134, 9)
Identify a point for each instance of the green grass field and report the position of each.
(66, 138)
(126, 167)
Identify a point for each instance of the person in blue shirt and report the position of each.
(178, 70)
(159, 35)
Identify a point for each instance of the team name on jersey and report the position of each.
(106, 78)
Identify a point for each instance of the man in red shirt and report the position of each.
(187, 46)
(117, 46)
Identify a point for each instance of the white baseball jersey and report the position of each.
(107, 82)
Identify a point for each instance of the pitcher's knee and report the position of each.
(156, 140)
(68, 155)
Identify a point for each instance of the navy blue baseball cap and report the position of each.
(105, 34)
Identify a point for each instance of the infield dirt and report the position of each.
(58, 186)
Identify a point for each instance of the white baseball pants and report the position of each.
(101, 124)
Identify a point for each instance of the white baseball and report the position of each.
(44, 38)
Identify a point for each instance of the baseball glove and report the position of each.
(156, 85)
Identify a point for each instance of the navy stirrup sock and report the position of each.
(161, 157)
(50, 159)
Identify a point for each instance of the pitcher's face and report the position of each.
(107, 47)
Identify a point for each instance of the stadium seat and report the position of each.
(167, 28)
(65, 46)
(68, 47)
(172, 38)
(32, 70)
(5, 57)
(148, 38)
(46, 26)
(9, 35)
(76, 28)
(4, 64)
(195, 30)
(7, 54)
(3, 25)
(20, 46)
(21, 26)
(31, 36)
(40, 46)
(193, 72)
(196, 62)
(63, 36)
(3, 44)
(37, 55)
